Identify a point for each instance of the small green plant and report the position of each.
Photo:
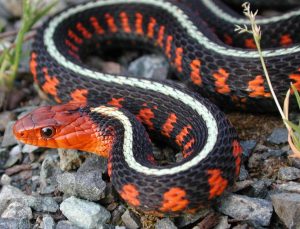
(293, 129)
(10, 56)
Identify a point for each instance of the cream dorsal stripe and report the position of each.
(178, 14)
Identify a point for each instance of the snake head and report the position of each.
(65, 126)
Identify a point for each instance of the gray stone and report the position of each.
(165, 223)
(8, 138)
(278, 136)
(6, 223)
(15, 154)
(149, 66)
(83, 213)
(88, 185)
(287, 207)
(65, 224)
(259, 188)
(187, 219)
(295, 162)
(93, 163)
(130, 220)
(223, 224)
(243, 173)
(273, 153)
(289, 187)
(17, 210)
(75, 2)
(29, 148)
(5, 117)
(5, 179)
(248, 146)
(69, 159)
(288, 173)
(117, 214)
(13, 8)
(45, 204)
(245, 208)
(48, 222)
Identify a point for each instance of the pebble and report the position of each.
(5, 179)
(83, 213)
(223, 223)
(243, 173)
(273, 153)
(187, 219)
(6, 223)
(87, 185)
(11, 8)
(288, 173)
(69, 159)
(246, 208)
(45, 204)
(259, 188)
(15, 155)
(117, 214)
(93, 163)
(165, 223)
(130, 220)
(29, 148)
(65, 224)
(17, 210)
(295, 162)
(289, 187)
(48, 222)
(287, 207)
(150, 67)
(5, 117)
(248, 147)
(8, 138)
(278, 136)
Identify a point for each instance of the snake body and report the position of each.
(104, 112)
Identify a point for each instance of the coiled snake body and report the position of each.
(104, 112)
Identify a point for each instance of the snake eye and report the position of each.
(47, 132)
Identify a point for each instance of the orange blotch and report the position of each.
(178, 59)
(168, 126)
(257, 87)
(228, 39)
(186, 148)
(96, 25)
(151, 26)
(111, 23)
(286, 40)
(183, 133)
(237, 153)
(79, 96)
(249, 43)
(195, 72)
(216, 182)
(116, 102)
(109, 165)
(168, 46)
(145, 115)
(71, 45)
(221, 77)
(240, 102)
(50, 85)
(130, 194)
(125, 22)
(33, 66)
(160, 38)
(139, 23)
(296, 78)
(85, 33)
(174, 200)
(74, 37)
(73, 54)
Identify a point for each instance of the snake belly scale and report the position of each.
(103, 112)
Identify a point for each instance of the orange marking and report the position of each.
(174, 200)
(71, 45)
(186, 147)
(125, 22)
(130, 194)
(79, 96)
(168, 127)
(178, 59)
(116, 102)
(33, 66)
(50, 85)
(237, 153)
(111, 23)
(228, 39)
(85, 33)
(75, 55)
(286, 40)
(109, 165)
(183, 133)
(195, 72)
(161, 34)
(139, 23)
(240, 102)
(216, 182)
(96, 25)
(168, 46)
(145, 115)
(151, 25)
(249, 43)
(257, 88)
(75, 38)
(221, 77)
(296, 78)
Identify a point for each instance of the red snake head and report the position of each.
(65, 126)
